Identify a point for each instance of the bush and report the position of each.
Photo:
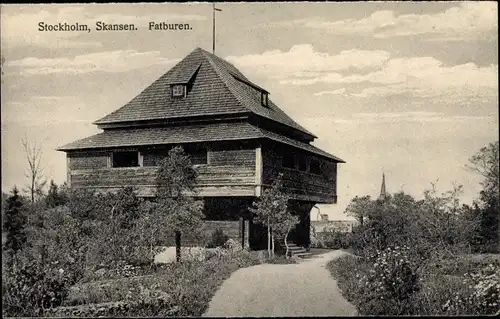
(218, 239)
(484, 297)
(185, 289)
(383, 284)
(30, 288)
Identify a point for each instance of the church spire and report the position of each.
(383, 193)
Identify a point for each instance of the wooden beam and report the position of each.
(258, 171)
(68, 170)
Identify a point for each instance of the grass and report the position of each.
(188, 286)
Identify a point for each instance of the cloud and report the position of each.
(334, 92)
(21, 29)
(398, 117)
(108, 61)
(464, 21)
(43, 110)
(303, 61)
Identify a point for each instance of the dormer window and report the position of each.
(178, 90)
(264, 99)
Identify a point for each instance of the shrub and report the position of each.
(393, 279)
(29, 288)
(218, 239)
(484, 296)
(232, 245)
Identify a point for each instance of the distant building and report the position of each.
(343, 226)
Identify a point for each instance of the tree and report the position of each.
(359, 208)
(485, 162)
(35, 174)
(14, 224)
(176, 181)
(53, 198)
(271, 210)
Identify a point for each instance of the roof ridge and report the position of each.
(219, 73)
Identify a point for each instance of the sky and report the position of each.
(409, 89)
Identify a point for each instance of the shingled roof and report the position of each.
(186, 134)
(217, 88)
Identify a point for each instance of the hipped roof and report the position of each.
(216, 88)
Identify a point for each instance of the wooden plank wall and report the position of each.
(230, 172)
(88, 160)
(301, 185)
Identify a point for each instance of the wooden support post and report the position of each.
(242, 232)
(178, 246)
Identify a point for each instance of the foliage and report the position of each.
(443, 288)
(14, 224)
(431, 226)
(485, 162)
(54, 197)
(484, 298)
(176, 174)
(29, 288)
(183, 289)
(393, 278)
(176, 181)
(359, 207)
(218, 239)
(333, 239)
(271, 210)
(383, 284)
(56, 238)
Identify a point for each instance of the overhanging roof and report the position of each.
(186, 134)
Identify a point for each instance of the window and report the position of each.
(178, 90)
(314, 166)
(324, 216)
(126, 159)
(264, 97)
(198, 157)
(302, 163)
(288, 161)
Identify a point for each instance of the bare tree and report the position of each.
(35, 174)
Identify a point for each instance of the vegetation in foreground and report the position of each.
(76, 253)
(427, 257)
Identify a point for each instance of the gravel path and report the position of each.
(304, 289)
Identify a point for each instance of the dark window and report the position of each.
(198, 157)
(288, 161)
(126, 159)
(178, 90)
(302, 163)
(314, 166)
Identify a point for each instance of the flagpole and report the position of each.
(213, 22)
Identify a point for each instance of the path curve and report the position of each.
(303, 289)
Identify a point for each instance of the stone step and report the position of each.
(297, 251)
(303, 255)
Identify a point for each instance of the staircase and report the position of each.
(298, 251)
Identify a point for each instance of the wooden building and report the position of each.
(238, 139)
